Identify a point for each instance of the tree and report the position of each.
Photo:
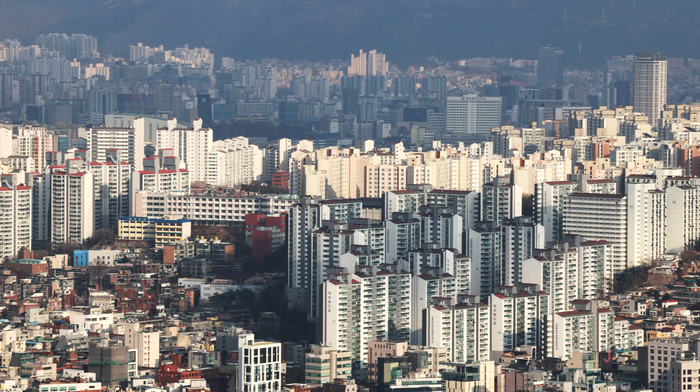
(67, 247)
(632, 278)
(689, 256)
(101, 237)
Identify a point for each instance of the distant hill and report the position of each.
(406, 30)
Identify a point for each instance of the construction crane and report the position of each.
(301, 114)
(558, 122)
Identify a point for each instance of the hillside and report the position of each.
(406, 30)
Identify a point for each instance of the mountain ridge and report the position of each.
(406, 30)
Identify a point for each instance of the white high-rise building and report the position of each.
(646, 220)
(160, 178)
(572, 332)
(464, 203)
(329, 243)
(192, 145)
(435, 281)
(473, 115)
(441, 226)
(556, 274)
(112, 180)
(518, 318)
(683, 214)
(41, 203)
(357, 308)
(403, 234)
(260, 367)
(148, 345)
(72, 205)
(497, 252)
(570, 270)
(5, 141)
(407, 200)
(485, 252)
(584, 329)
(549, 211)
(609, 222)
(365, 64)
(650, 85)
(501, 200)
(461, 325)
(234, 162)
(304, 218)
(33, 142)
(430, 260)
(16, 219)
(128, 140)
(377, 64)
(519, 237)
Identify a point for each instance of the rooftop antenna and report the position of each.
(603, 14)
(580, 46)
(564, 19)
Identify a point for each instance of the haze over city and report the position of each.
(307, 196)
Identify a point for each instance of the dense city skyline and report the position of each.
(322, 196)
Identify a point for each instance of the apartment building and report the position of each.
(112, 188)
(682, 204)
(461, 325)
(549, 212)
(306, 215)
(192, 145)
(463, 203)
(572, 331)
(500, 200)
(646, 220)
(159, 178)
(368, 305)
(609, 223)
(16, 220)
(497, 253)
(518, 318)
(234, 162)
(129, 140)
(650, 85)
(329, 242)
(72, 206)
(403, 234)
(428, 283)
(570, 270)
(148, 345)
